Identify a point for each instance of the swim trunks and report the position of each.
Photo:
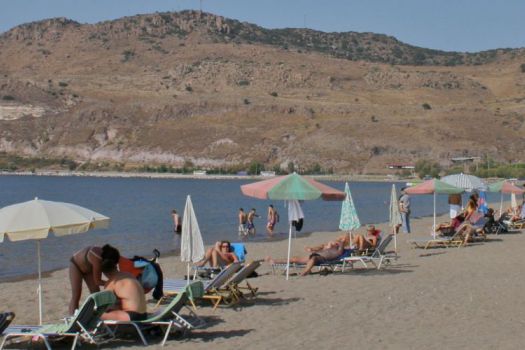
(137, 316)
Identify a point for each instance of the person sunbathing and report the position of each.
(449, 228)
(219, 255)
(324, 253)
(369, 241)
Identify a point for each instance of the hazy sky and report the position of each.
(452, 25)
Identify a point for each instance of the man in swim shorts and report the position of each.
(131, 305)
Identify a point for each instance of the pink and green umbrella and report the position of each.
(505, 186)
(290, 187)
(434, 186)
(293, 187)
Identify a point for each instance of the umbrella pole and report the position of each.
(434, 227)
(39, 291)
(289, 249)
(187, 273)
(395, 238)
(501, 204)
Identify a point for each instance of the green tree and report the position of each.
(426, 167)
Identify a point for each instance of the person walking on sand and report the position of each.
(272, 220)
(177, 222)
(243, 231)
(250, 224)
(404, 209)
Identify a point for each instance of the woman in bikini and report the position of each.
(85, 265)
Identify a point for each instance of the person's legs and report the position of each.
(309, 265)
(216, 259)
(293, 260)
(75, 278)
(405, 219)
(207, 257)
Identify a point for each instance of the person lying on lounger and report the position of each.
(449, 228)
(369, 241)
(329, 251)
(219, 255)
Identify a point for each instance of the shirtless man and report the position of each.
(243, 232)
(272, 220)
(250, 223)
(320, 254)
(131, 300)
(219, 255)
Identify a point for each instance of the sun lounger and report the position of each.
(206, 271)
(84, 326)
(378, 257)
(167, 317)
(456, 240)
(172, 287)
(234, 289)
(5, 320)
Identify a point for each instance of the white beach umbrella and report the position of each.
(466, 182)
(395, 216)
(192, 247)
(35, 219)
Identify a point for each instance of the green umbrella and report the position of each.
(349, 220)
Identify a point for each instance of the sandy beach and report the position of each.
(455, 298)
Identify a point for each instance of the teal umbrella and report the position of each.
(349, 220)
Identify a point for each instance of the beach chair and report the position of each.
(167, 317)
(377, 258)
(5, 320)
(234, 289)
(84, 326)
(456, 240)
(205, 271)
(211, 287)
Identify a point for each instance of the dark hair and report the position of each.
(271, 205)
(174, 211)
(227, 242)
(110, 258)
(403, 188)
(241, 209)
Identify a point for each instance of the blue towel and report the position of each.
(240, 250)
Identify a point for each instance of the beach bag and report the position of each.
(147, 271)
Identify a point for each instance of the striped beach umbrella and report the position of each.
(465, 181)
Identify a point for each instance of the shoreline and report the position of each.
(117, 174)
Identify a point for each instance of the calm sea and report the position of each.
(140, 212)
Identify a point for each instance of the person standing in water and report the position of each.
(177, 222)
(250, 224)
(243, 231)
(272, 220)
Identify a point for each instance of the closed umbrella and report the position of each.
(433, 186)
(466, 182)
(349, 219)
(37, 218)
(192, 247)
(395, 216)
(291, 187)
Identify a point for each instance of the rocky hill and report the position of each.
(191, 87)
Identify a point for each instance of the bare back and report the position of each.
(129, 292)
